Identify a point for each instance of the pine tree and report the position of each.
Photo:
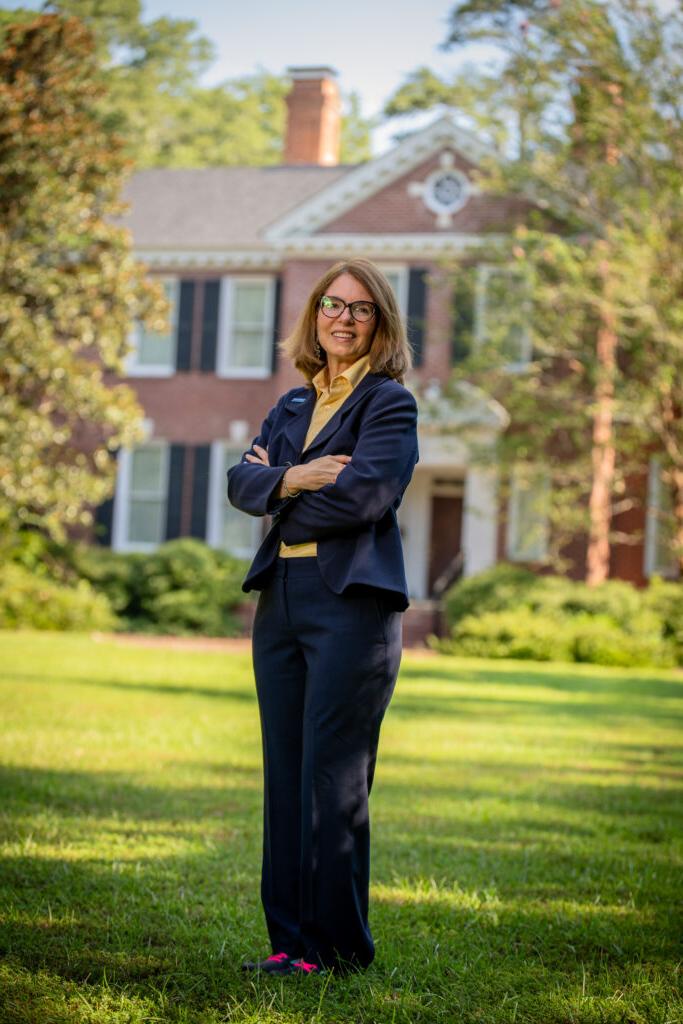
(585, 111)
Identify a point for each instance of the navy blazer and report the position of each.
(353, 519)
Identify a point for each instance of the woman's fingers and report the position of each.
(261, 455)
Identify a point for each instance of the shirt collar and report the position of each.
(352, 374)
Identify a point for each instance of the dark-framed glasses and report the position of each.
(361, 310)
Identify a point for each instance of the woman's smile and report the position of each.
(344, 339)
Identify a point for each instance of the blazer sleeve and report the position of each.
(251, 487)
(381, 466)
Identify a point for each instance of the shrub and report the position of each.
(665, 599)
(599, 641)
(616, 599)
(507, 611)
(30, 601)
(183, 587)
(510, 634)
(497, 589)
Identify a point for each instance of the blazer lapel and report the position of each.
(300, 413)
(299, 410)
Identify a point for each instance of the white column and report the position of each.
(480, 519)
(414, 517)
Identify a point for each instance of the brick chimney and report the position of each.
(313, 117)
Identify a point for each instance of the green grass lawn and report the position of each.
(526, 843)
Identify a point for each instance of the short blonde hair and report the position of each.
(389, 352)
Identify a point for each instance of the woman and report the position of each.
(330, 465)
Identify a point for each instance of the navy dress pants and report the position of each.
(325, 666)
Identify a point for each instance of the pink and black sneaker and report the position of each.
(276, 963)
(301, 966)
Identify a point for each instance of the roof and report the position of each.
(217, 206)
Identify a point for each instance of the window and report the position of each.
(227, 527)
(140, 503)
(154, 353)
(245, 338)
(502, 312)
(659, 525)
(528, 520)
(398, 279)
(446, 191)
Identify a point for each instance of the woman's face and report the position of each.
(344, 338)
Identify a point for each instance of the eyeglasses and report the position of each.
(360, 310)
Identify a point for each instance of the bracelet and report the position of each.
(284, 481)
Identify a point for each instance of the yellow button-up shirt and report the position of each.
(329, 399)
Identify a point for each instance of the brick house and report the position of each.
(238, 249)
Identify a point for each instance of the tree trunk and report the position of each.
(603, 454)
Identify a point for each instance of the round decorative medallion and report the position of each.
(445, 191)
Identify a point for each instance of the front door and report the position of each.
(446, 529)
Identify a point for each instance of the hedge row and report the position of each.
(184, 587)
(509, 612)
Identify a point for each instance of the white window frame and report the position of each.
(515, 553)
(217, 500)
(653, 525)
(402, 290)
(121, 510)
(484, 271)
(135, 369)
(223, 349)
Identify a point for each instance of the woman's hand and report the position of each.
(307, 476)
(311, 476)
(261, 457)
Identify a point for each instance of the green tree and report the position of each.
(155, 101)
(69, 287)
(583, 111)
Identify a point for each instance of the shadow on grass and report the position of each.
(619, 710)
(577, 678)
(95, 795)
(180, 923)
(166, 689)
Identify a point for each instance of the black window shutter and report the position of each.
(175, 491)
(103, 519)
(417, 304)
(185, 318)
(463, 318)
(103, 516)
(276, 323)
(207, 362)
(200, 491)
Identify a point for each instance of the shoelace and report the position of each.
(277, 957)
(304, 966)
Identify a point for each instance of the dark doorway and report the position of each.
(446, 534)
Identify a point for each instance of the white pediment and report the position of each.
(364, 181)
(465, 406)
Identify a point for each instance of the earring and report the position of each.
(318, 350)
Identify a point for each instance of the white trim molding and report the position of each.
(210, 259)
(404, 246)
